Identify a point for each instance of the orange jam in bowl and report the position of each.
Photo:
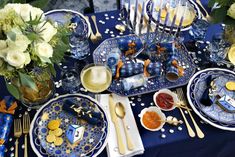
(151, 120)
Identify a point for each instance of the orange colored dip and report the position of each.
(151, 120)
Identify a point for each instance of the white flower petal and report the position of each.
(48, 31)
(16, 59)
(44, 51)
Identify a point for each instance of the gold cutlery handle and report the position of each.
(200, 4)
(16, 147)
(199, 132)
(121, 146)
(87, 18)
(94, 20)
(25, 146)
(190, 130)
(130, 144)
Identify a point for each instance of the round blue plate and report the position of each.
(94, 138)
(63, 16)
(213, 114)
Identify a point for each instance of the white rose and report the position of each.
(44, 51)
(14, 6)
(22, 9)
(48, 31)
(37, 12)
(231, 11)
(16, 59)
(3, 48)
(27, 58)
(21, 43)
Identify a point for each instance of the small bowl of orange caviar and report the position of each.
(152, 118)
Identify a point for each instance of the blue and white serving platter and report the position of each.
(153, 84)
(193, 5)
(213, 114)
(63, 16)
(94, 138)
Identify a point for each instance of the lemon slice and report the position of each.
(188, 16)
(231, 54)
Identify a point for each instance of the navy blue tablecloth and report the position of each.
(217, 143)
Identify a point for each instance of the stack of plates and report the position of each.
(212, 114)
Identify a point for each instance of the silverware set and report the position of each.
(117, 110)
(19, 130)
(95, 37)
(183, 102)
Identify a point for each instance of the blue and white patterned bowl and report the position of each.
(94, 139)
(63, 16)
(213, 114)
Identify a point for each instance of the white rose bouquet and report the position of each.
(28, 40)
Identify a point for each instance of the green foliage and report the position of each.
(3, 3)
(219, 15)
(11, 35)
(60, 43)
(40, 3)
(13, 90)
(27, 80)
(18, 1)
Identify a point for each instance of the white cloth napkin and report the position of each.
(112, 147)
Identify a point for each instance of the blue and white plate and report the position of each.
(94, 138)
(63, 16)
(213, 114)
(153, 84)
(193, 5)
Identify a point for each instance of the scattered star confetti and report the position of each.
(171, 131)
(163, 136)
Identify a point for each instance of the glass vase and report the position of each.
(45, 88)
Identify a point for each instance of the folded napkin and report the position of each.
(112, 147)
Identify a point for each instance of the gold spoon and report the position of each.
(120, 112)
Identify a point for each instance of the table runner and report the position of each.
(216, 143)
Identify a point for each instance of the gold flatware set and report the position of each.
(183, 102)
(117, 110)
(19, 130)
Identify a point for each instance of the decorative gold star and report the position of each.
(68, 151)
(45, 116)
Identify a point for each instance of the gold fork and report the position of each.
(92, 37)
(26, 126)
(189, 128)
(17, 134)
(199, 132)
(98, 35)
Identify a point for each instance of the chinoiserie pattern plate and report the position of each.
(153, 84)
(213, 114)
(63, 16)
(94, 138)
(168, 25)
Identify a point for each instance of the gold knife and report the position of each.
(114, 119)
